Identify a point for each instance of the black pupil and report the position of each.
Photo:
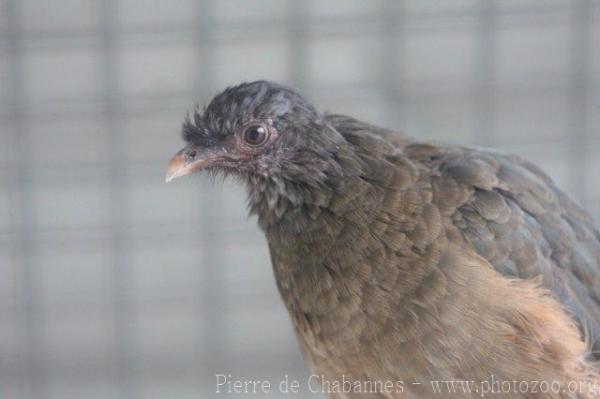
(255, 135)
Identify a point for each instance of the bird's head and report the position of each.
(257, 129)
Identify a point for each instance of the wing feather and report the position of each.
(512, 214)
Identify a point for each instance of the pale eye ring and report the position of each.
(256, 135)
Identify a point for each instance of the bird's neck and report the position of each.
(286, 208)
(334, 247)
(326, 231)
(292, 208)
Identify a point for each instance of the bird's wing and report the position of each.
(511, 212)
(521, 223)
(350, 126)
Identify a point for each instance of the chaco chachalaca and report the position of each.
(403, 260)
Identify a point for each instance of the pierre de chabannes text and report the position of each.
(226, 384)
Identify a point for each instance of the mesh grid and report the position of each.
(115, 285)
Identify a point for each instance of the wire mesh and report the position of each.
(115, 285)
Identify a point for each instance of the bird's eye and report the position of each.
(255, 135)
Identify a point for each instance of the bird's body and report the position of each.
(412, 262)
(397, 272)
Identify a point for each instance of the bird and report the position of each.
(404, 263)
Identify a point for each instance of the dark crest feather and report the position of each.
(194, 131)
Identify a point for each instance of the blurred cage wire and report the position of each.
(114, 285)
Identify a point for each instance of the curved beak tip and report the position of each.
(176, 168)
(168, 178)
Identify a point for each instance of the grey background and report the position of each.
(115, 285)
